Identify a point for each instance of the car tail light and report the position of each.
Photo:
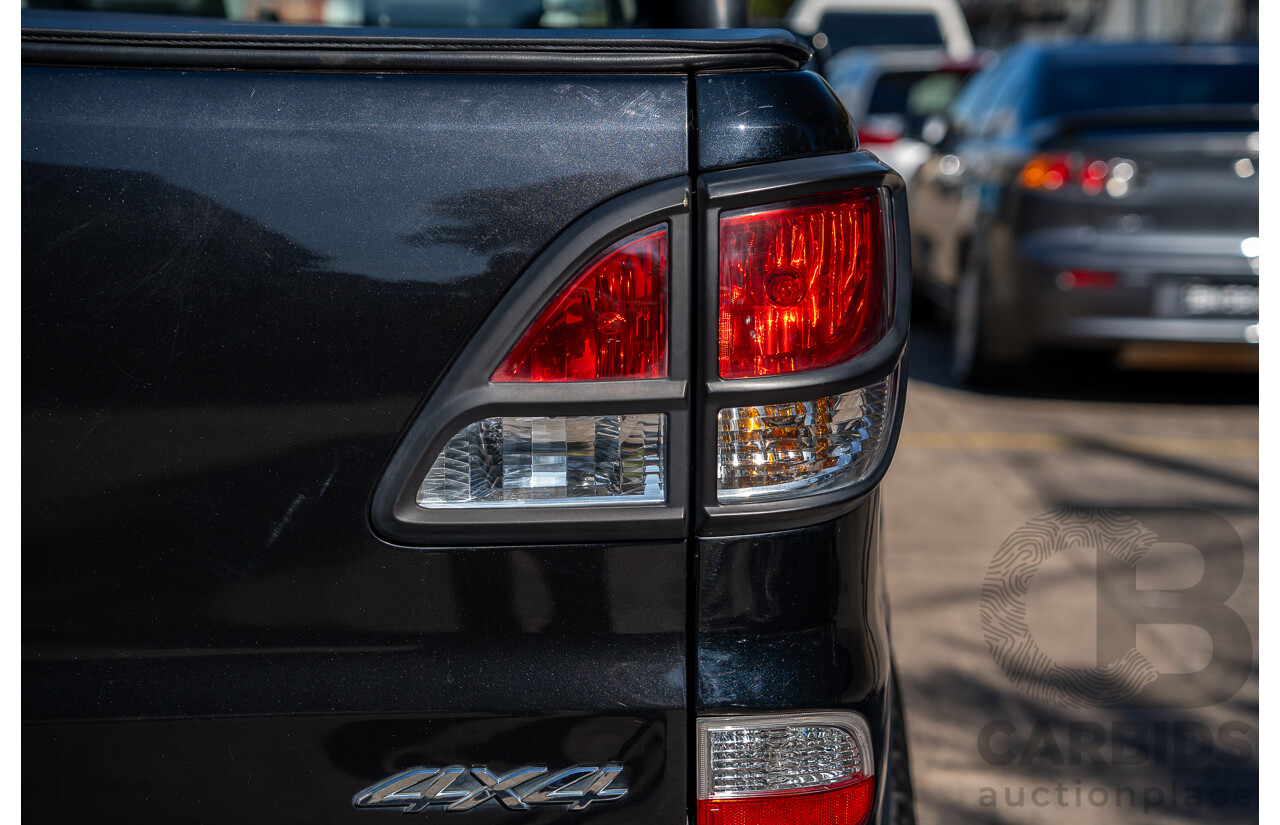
(785, 769)
(571, 413)
(1094, 176)
(871, 136)
(880, 129)
(802, 284)
(1055, 171)
(565, 460)
(609, 323)
(773, 451)
(1087, 279)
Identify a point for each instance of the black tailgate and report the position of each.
(238, 288)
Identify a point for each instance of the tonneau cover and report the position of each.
(138, 40)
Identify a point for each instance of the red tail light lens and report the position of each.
(1094, 176)
(609, 323)
(802, 284)
(1058, 173)
(845, 806)
(1087, 279)
(867, 137)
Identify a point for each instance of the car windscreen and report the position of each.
(845, 29)
(1069, 86)
(915, 94)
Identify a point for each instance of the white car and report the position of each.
(836, 25)
(890, 94)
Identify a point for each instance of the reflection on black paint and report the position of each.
(507, 218)
(745, 119)
(230, 315)
(803, 607)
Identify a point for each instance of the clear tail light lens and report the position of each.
(609, 323)
(563, 460)
(774, 451)
(792, 769)
(802, 284)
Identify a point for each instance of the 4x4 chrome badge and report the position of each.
(458, 789)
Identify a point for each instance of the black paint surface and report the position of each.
(237, 290)
(305, 769)
(798, 619)
(755, 118)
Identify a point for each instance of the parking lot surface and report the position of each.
(996, 737)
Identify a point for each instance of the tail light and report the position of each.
(775, 451)
(523, 460)
(1051, 172)
(872, 137)
(571, 412)
(609, 323)
(880, 129)
(785, 769)
(1087, 279)
(802, 284)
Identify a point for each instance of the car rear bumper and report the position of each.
(1146, 302)
(587, 663)
(1104, 329)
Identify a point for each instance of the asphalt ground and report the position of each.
(1066, 653)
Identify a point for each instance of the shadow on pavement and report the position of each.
(1245, 481)
(1156, 755)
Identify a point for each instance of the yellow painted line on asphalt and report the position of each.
(1060, 443)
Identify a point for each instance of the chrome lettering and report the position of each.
(456, 788)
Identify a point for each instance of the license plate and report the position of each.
(1219, 299)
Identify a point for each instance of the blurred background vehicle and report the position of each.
(1075, 432)
(469, 14)
(1098, 196)
(890, 94)
(835, 25)
(991, 24)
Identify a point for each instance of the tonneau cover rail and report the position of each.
(230, 46)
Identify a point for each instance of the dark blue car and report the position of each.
(1096, 197)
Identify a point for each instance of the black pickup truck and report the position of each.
(438, 422)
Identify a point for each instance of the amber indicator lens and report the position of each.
(770, 452)
(609, 323)
(802, 284)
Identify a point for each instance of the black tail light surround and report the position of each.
(474, 391)
(874, 347)
(807, 408)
